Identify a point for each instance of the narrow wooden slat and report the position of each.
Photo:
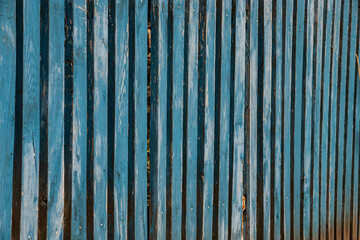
(278, 117)
(209, 121)
(140, 111)
(325, 119)
(308, 89)
(298, 116)
(121, 120)
(287, 116)
(239, 121)
(158, 119)
(319, 18)
(79, 144)
(7, 111)
(266, 118)
(192, 120)
(333, 119)
(177, 116)
(56, 120)
(31, 120)
(349, 209)
(253, 116)
(224, 119)
(341, 121)
(100, 117)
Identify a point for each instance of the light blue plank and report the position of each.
(308, 88)
(253, 116)
(55, 213)
(79, 144)
(224, 120)
(209, 121)
(239, 121)
(287, 116)
(100, 117)
(333, 125)
(7, 111)
(356, 148)
(278, 118)
(158, 118)
(177, 117)
(350, 128)
(192, 120)
(325, 122)
(341, 121)
(298, 116)
(31, 120)
(266, 117)
(317, 111)
(121, 120)
(140, 93)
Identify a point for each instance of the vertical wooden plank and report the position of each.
(224, 119)
(351, 175)
(266, 117)
(319, 17)
(341, 121)
(56, 120)
(7, 111)
(79, 144)
(121, 120)
(100, 117)
(325, 118)
(31, 120)
(209, 121)
(192, 119)
(140, 111)
(158, 118)
(278, 117)
(287, 116)
(308, 128)
(298, 116)
(333, 119)
(177, 116)
(253, 115)
(239, 120)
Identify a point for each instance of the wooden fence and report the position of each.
(179, 119)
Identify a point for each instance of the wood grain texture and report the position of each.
(7, 111)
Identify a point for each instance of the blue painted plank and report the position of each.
(178, 117)
(158, 119)
(209, 121)
(121, 154)
(253, 116)
(31, 120)
(55, 213)
(239, 120)
(287, 116)
(100, 117)
(192, 120)
(7, 111)
(278, 117)
(341, 121)
(140, 93)
(224, 120)
(79, 144)
(308, 88)
(298, 116)
(266, 118)
(349, 192)
(317, 113)
(355, 220)
(333, 125)
(325, 120)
